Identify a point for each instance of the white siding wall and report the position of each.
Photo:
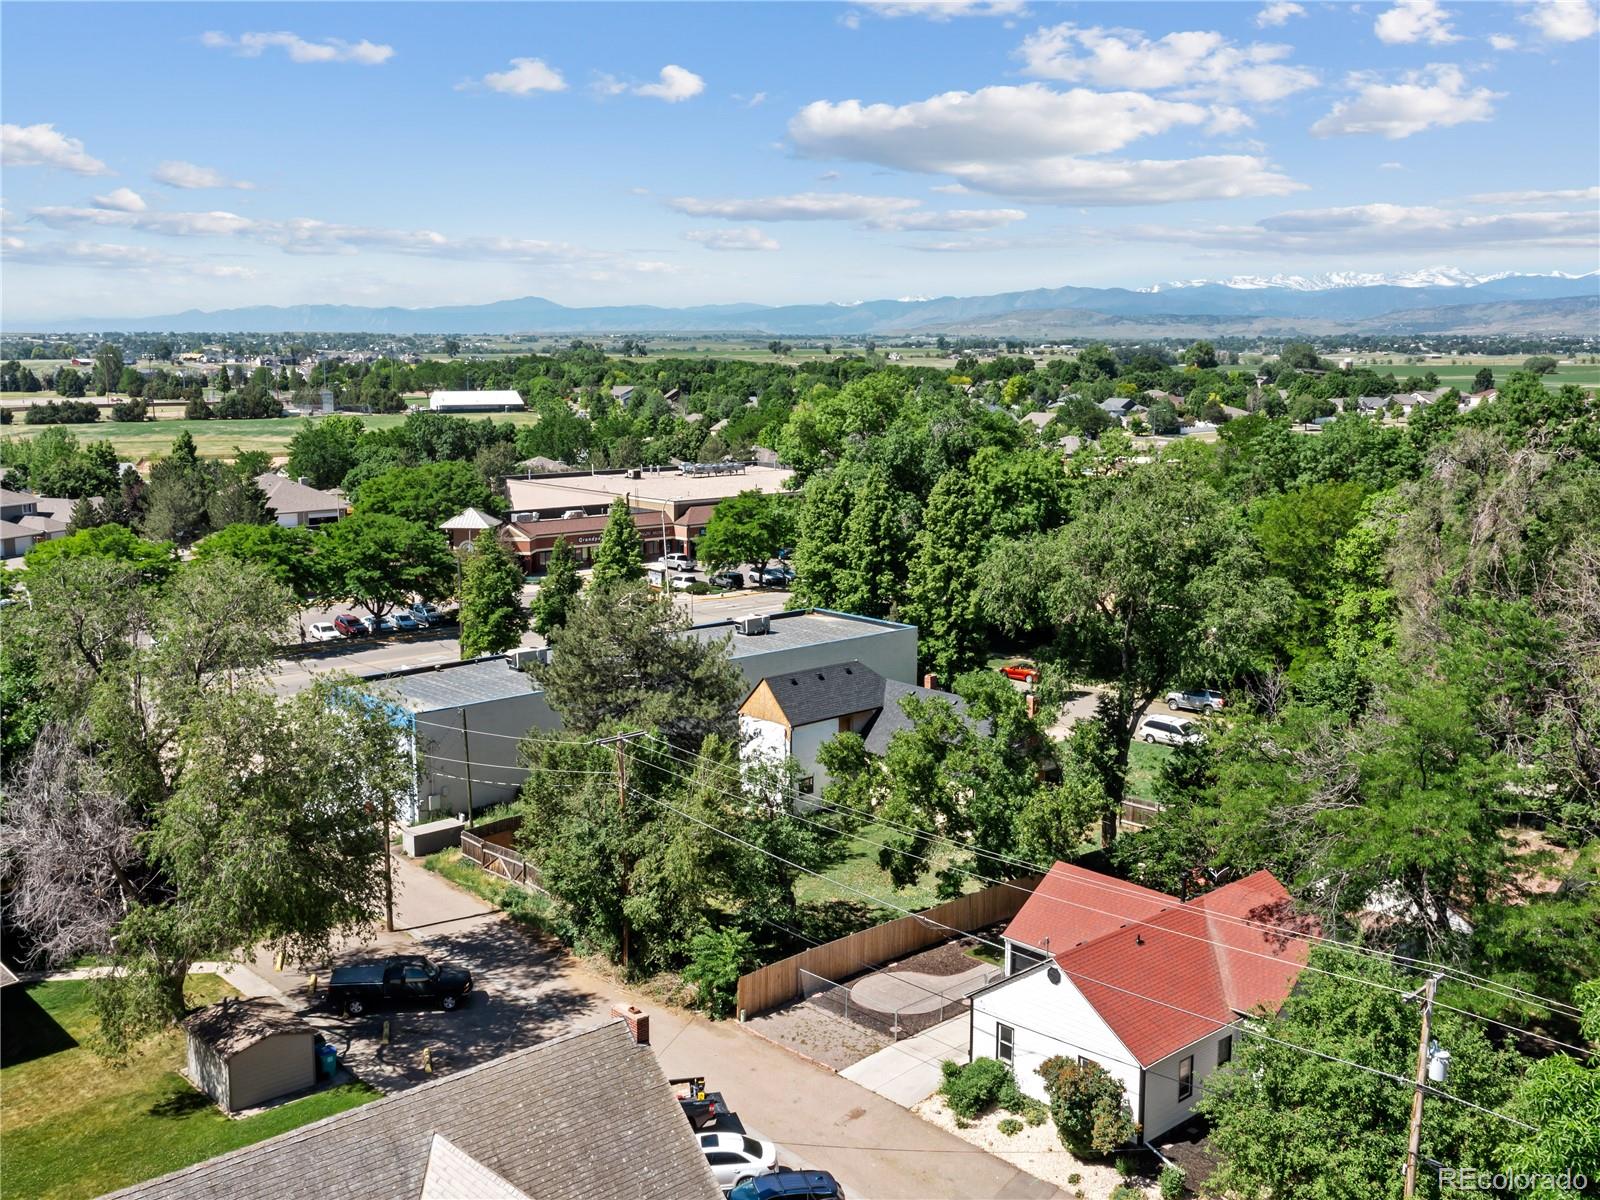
(805, 742)
(1162, 1108)
(497, 772)
(1036, 1009)
(208, 1072)
(292, 519)
(273, 1067)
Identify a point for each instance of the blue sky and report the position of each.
(160, 157)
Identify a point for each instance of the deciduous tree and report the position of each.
(492, 617)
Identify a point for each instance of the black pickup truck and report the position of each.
(402, 979)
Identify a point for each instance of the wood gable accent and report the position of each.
(762, 705)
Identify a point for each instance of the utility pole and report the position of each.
(619, 744)
(466, 755)
(1414, 1142)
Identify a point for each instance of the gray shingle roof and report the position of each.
(285, 495)
(585, 1116)
(236, 1025)
(826, 692)
(893, 717)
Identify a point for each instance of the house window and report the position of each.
(1186, 1078)
(1020, 959)
(1225, 1050)
(1085, 1061)
(1005, 1039)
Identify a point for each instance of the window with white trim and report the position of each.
(1186, 1077)
(1005, 1042)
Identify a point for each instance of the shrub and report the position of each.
(1126, 1191)
(1127, 1166)
(976, 1088)
(129, 410)
(1088, 1105)
(1074, 1179)
(697, 588)
(1033, 1112)
(1171, 1182)
(717, 959)
(949, 1069)
(1011, 1096)
(1010, 1127)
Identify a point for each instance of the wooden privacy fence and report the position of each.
(480, 845)
(779, 982)
(1137, 814)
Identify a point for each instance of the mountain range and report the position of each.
(1438, 300)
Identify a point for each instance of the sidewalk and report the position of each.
(908, 1071)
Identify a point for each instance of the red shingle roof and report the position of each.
(1163, 974)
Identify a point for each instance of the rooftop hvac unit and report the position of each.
(519, 660)
(754, 626)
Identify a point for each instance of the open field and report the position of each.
(77, 1126)
(1458, 372)
(217, 439)
(861, 871)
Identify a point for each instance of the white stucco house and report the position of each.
(792, 714)
(1151, 988)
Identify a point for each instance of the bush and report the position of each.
(1074, 1179)
(1171, 1183)
(129, 410)
(1010, 1127)
(697, 588)
(976, 1088)
(61, 412)
(717, 959)
(1127, 1166)
(1033, 1112)
(1126, 1191)
(1011, 1096)
(949, 1069)
(1088, 1105)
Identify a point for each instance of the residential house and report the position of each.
(583, 1116)
(791, 715)
(27, 519)
(1120, 408)
(293, 502)
(1154, 989)
(1038, 419)
(622, 393)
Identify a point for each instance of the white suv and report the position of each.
(679, 561)
(323, 631)
(1170, 731)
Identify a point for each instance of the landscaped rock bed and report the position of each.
(1035, 1149)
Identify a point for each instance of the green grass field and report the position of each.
(1458, 372)
(1144, 765)
(77, 1126)
(861, 871)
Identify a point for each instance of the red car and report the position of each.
(350, 626)
(1021, 672)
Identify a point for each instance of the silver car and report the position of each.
(735, 1157)
(1170, 731)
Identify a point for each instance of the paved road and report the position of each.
(525, 993)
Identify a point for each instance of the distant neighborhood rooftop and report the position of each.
(668, 488)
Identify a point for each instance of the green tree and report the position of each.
(290, 556)
(1298, 532)
(1560, 1097)
(619, 558)
(377, 562)
(427, 495)
(750, 527)
(717, 958)
(1088, 1105)
(107, 368)
(1201, 355)
(1149, 604)
(324, 450)
(69, 383)
(492, 617)
(1483, 380)
(557, 590)
(943, 598)
(151, 562)
(237, 499)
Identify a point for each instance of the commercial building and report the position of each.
(465, 721)
(493, 400)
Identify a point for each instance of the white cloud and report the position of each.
(1502, 41)
(299, 49)
(1195, 64)
(802, 206)
(1415, 21)
(1374, 227)
(755, 101)
(179, 174)
(1434, 97)
(952, 220)
(950, 189)
(944, 10)
(110, 256)
(676, 83)
(1026, 142)
(1558, 196)
(43, 146)
(748, 238)
(122, 199)
(1227, 119)
(1277, 13)
(1391, 166)
(1564, 20)
(524, 77)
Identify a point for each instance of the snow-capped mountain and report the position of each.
(1333, 280)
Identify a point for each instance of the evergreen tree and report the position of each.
(492, 617)
(943, 586)
(224, 382)
(561, 584)
(620, 556)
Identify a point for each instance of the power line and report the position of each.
(1458, 975)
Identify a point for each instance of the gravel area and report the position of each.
(819, 1034)
(1036, 1149)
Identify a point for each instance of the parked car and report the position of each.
(789, 1185)
(1200, 700)
(679, 561)
(429, 615)
(1021, 672)
(1170, 731)
(737, 1157)
(728, 579)
(405, 622)
(322, 631)
(779, 577)
(387, 625)
(400, 979)
(350, 626)
(682, 583)
(371, 625)
(700, 1106)
(786, 553)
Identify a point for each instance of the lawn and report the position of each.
(76, 1126)
(861, 871)
(1144, 765)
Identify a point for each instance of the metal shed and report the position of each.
(245, 1052)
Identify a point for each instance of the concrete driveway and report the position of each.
(908, 1071)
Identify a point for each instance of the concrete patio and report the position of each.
(908, 1071)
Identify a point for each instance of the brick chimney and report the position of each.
(638, 1022)
(930, 681)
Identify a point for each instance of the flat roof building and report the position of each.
(492, 400)
(672, 490)
(465, 721)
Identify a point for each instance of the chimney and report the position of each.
(930, 681)
(1033, 705)
(638, 1022)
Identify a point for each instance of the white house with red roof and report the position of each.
(1150, 987)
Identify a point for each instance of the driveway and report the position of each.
(908, 1071)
